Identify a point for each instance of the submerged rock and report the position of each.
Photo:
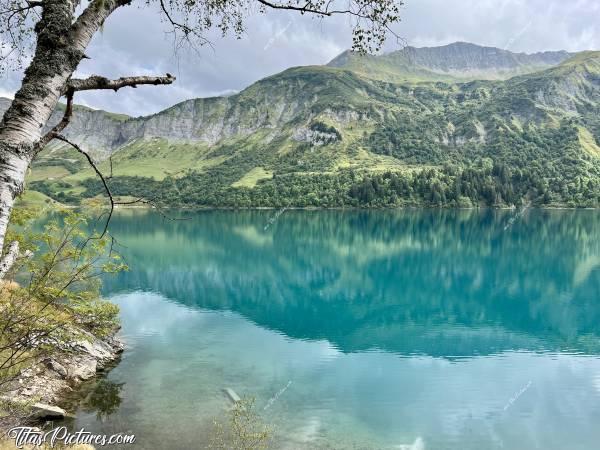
(47, 412)
(231, 395)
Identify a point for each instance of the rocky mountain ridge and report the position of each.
(321, 126)
(273, 102)
(458, 61)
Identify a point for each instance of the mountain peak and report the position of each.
(457, 60)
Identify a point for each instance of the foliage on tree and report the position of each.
(47, 299)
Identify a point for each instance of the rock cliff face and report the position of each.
(95, 130)
(460, 60)
(463, 57)
(269, 104)
(283, 105)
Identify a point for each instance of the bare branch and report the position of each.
(19, 9)
(98, 82)
(185, 28)
(302, 9)
(188, 31)
(113, 203)
(60, 126)
(372, 18)
(104, 183)
(17, 19)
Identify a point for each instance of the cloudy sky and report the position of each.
(134, 41)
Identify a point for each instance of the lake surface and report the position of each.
(359, 329)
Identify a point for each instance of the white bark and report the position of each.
(12, 177)
(9, 259)
(60, 47)
(95, 82)
(61, 43)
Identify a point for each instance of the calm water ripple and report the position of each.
(382, 330)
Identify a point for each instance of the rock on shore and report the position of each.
(46, 381)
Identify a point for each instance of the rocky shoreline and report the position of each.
(43, 385)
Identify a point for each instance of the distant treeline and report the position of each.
(545, 167)
(487, 184)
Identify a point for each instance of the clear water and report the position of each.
(378, 330)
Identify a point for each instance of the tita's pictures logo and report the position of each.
(62, 436)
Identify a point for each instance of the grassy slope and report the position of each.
(35, 199)
(255, 175)
(155, 158)
(446, 122)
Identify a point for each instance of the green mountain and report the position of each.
(454, 62)
(359, 132)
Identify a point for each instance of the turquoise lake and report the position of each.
(411, 329)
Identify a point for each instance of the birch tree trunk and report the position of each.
(61, 42)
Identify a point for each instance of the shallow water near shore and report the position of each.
(358, 329)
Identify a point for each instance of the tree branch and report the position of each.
(93, 165)
(311, 10)
(185, 28)
(380, 13)
(97, 82)
(113, 203)
(16, 10)
(60, 126)
(303, 9)
(175, 24)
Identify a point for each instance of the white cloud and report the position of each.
(6, 94)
